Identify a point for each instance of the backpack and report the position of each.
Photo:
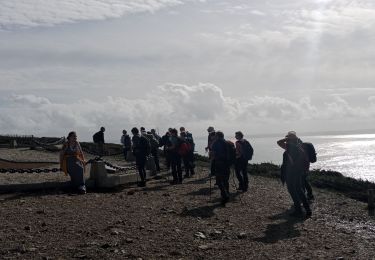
(310, 151)
(247, 150)
(231, 152)
(96, 137)
(145, 145)
(153, 142)
(183, 148)
(189, 139)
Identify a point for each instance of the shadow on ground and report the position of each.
(280, 231)
(201, 212)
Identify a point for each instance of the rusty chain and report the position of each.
(49, 170)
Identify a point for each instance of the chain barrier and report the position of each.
(120, 168)
(97, 154)
(60, 141)
(49, 170)
(30, 170)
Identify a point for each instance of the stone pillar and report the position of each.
(371, 196)
(150, 165)
(98, 173)
(13, 144)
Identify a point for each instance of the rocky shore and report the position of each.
(178, 222)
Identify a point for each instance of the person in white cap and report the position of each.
(295, 163)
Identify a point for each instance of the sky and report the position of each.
(261, 66)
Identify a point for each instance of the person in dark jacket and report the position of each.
(240, 164)
(154, 143)
(296, 163)
(165, 143)
(141, 149)
(126, 143)
(210, 140)
(99, 141)
(175, 157)
(188, 158)
(221, 165)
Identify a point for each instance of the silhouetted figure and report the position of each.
(175, 157)
(141, 149)
(221, 165)
(98, 139)
(126, 143)
(244, 153)
(210, 140)
(295, 165)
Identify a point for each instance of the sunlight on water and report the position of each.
(351, 155)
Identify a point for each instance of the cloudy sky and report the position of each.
(262, 66)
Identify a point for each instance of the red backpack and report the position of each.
(184, 148)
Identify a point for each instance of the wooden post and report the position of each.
(371, 193)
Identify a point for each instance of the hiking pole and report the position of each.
(210, 186)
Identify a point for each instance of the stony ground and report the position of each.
(182, 222)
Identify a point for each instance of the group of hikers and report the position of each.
(178, 148)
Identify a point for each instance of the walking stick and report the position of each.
(210, 186)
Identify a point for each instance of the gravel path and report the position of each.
(182, 222)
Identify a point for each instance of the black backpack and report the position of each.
(143, 147)
(96, 137)
(247, 150)
(310, 151)
(231, 152)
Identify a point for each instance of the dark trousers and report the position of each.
(294, 182)
(100, 148)
(125, 151)
(155, 154)
(167, 155)
(222, 172)
(212, 167)
(140, 161)
(240, 167)
(307, 187)
(189, 164)
(176, 167)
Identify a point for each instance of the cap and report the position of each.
(210, 129)
(291, 134)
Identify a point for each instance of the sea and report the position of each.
(352, 155)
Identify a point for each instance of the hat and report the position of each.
(291, 134)
(210, 129)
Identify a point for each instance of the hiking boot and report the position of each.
(308, 213)
(310, 197)
(224, 201)
(173, 182)
(82, 191)
(296, 214)
(141, 184)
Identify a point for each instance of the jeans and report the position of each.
(241, 173)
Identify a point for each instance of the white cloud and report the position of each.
(169, 105)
